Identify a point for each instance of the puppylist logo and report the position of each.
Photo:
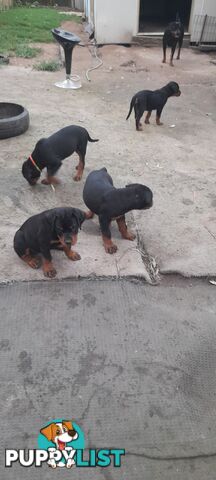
(61, 443)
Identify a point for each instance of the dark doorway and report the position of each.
(156, 14)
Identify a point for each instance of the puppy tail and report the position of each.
(92, 139)
(131, 108)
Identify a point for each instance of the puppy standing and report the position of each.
(148, 100)
(110, 203)
(173, 36)
(49, 153)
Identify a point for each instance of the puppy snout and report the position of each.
(72, 433)
(32, 182)
(65, 437)
(67, 238)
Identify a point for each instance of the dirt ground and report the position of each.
(177, 160)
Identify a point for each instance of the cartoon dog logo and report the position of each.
(60, 434)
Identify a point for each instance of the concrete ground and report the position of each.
(177, 160)
(133, 365)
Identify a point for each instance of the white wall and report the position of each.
(115, 20)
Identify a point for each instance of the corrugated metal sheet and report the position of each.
(203, 29)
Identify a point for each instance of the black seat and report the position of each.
(68, 41)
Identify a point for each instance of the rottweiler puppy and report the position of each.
(110, 203)
(148, 100)
(173, 36)
(49, 153)
(52, 229)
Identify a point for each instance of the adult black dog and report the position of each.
(173, 36)
(148, 100)
(110, 203)
(53, 229)
(49, 153)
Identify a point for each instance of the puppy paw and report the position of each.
(73, 256)
(163, 61)
(50, 273)
(77, 177)
(52, 463)
(34, 262)
(70, 463)
(54, 181)
(129, 236)
(111, 248)
(89, 215)
(50, 181)
(147, 122)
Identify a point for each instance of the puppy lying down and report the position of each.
(52, 229)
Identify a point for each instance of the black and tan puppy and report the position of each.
(110, 203)
(49, 153)
(148, 100)
(53, 229)
(173, 36)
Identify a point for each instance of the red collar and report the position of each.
(33, 163)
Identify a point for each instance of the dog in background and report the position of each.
(173, 36)
(148, 100)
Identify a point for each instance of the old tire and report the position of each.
(14, 120)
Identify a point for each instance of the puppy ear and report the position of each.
(47, 431)
(80, 216)
(56, 223)
(174, 87)
(25, 170)
(70, 428)
(68, 424)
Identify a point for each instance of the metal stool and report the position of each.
(68, 41)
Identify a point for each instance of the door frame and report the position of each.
(154, 33)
